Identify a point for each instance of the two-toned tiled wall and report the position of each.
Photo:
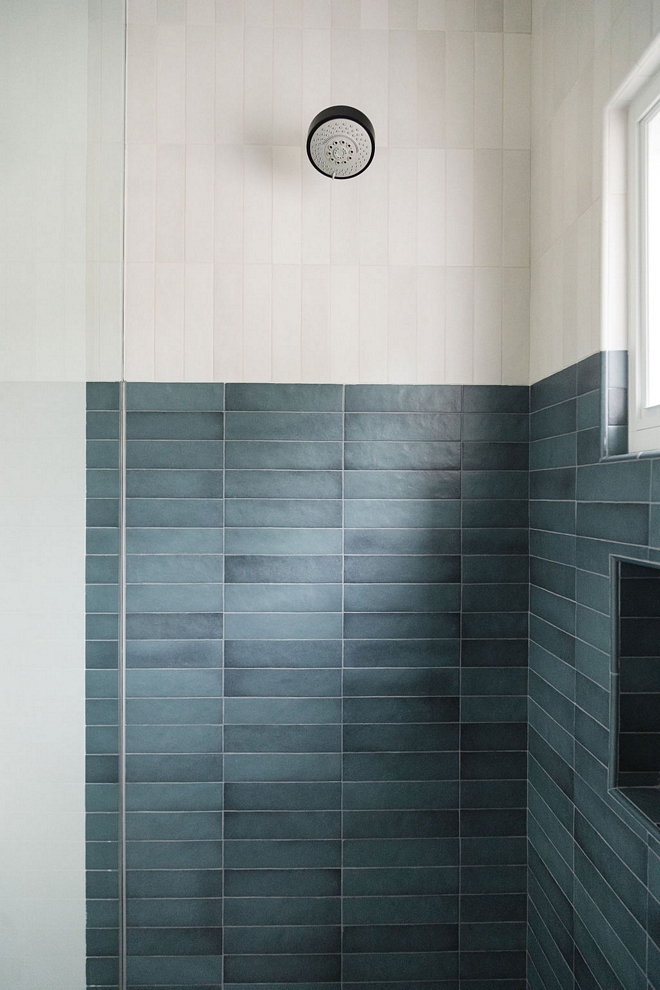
(341, 792)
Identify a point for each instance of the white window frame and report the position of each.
(644, 421)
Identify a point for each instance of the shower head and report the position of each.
(341, 142)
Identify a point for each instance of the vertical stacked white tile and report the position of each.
(582, 53)
(417, 271)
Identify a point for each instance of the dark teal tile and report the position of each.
(174, 484)
(282, 711)
(174, 541)
(283, 512)
(402, 541)
(402, 737)
(283, 484)
(555, 388)
(173, 711)
(282, 911)
(556, 420)
(402, 426)
(560, 451)
(173, 825)
(102, 454)
(288, 625)
(160, 684)
(275, 597)
(299, 796)
(416, 682)
(401, 598)
(285, 767)
(497, 426)
(297, 398)
(102, 395)
(174, 512)
(399, 710)
(495, 541)
(283, 939)
(404, 881)
(283, 426)
(495, 456)
(401, 653)
(368, 456)
(493, 568)
(282, 825)
(283, 455)
(403, 398)
(178, 396)
(161, 768)
(174, 597)
(174, 426)
(200, 796)
(264, 854)
(401, 766)
(284, 653)
(174, 883)
(283, 540)
(315, 683)
(411, 625)
(174, 941)
(555, 484)
(174, 739)
(589, 446)
(190, 625)
(179, 569)
(401, 569)
(172, 454)
(496, 398)
(402, 484)
(481, 513)
(495, 597)
(429, 795)
(589, 410)
(495, 484)
(282, 738)
(286, 969)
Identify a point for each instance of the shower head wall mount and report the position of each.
(341, 142)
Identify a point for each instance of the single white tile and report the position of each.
(373, 323)
(140, 83)
(200, 11)
(287, 87)
(141, 204)
(287, 205)
(374, 15)
(317, 74)
(403, 15)
(198, 323)
(517, 89)
(345, 63)
(316, 213)
(488, 207)
(402, 324)
(200, 85)
(460, 15)
(228, 200)
(257, 323)
(258, 107)
(431, 73)
(374, 74)
(402, 206)
(459, 93)
(431, 193)
(141, 11)
(258, 205)
(345, 14)
(487, 326)
(431, 15)
(459, 209)
(258, 13)
(288, 13)
(171, 11)
(228, 323)
(459, 325)
(488, 93)
(569, 296)
(403, 89)
(518, 16)
(315, 350)
(584, 141)
(430, 352)
(317, 13)
(229, 12)
(139, 342)
(372, 226)
(200, 180)
(171, 83)
(344, 323)
(344, 214)
(169, 322)
(489, 15)
(229, 85)
(584, 276)
(516, 209)
(287, 322)
(170, 202)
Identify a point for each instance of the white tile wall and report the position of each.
(582, 53)
(244, 264)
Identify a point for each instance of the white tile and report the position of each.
(200, 85)
(374, 15)
(287, 205)
(200, 11)
(431, 193)
(171, 83)
(487, 326)
(344, 323)
(373, 216)
(170, 202)
(518, 16)
(141, 11)
(345, 62)
(516, 209)
(229, 12)
(258, 205)
(515, 326)
(258, 122)
(517, 91)
(317, 73)
(317, 13)
(403, 15)
(488, 208)
(141, 83)
(258, 13)
(460, 15)
(374, 74)
(171, 11)
(459, 209)
(315, 349)
(228, 323)
(141, 204)
(403, 90)
(288, 13)
(459, 325)
(345, 13)
(373, 323)
(229, 88)
(402, 206)
(489, 15)
(287, 88)
(569, 297)
(139, 343)
(488, 94)
(257, 323)
(200, 180)
(344, 212)
(431, 72)
(228, 200)
(169, 319)
(316, 222)
(430, 352)
(459, 94)
(198, 323)
(431, 15)
(402, 324)
(287, 322)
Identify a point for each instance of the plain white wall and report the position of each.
(245, 264)
(582, 52)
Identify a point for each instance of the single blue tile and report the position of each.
(495, 484)
(496, 398)
(291, 625)
(301, 513)
(282, 766)
(283, 569)
(491, 456)
(174, 653)
(401, 625)
(244, 683)
(402, 484)
(283, 484)
(282, 711)
(173, 397)
(102, 483)
(283, 598)
(480, 513)
(260, 540)
(179, 454)
(282, 738)
(102, 454)
(403, 398)
(559, 451)
(173, 683)
(159, 768)
(169, 797)
(299, 796)
(394, 455)
(554, 421)
(174, 512)
(283, 653)
(402, 426)
(174, 739)
(102, 395)
(296, 398)
(402, 541)
(555, 388)
(174, 426)
(497, 426)
(189, 625)
(617, 521)
(174, 598)
(294, 455)
(284, 426)
(177, 569)
(401, 569)
(402, 513)
(627, 481)
(154, 540)
(174, 484)
(401, 598)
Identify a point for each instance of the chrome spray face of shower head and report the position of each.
(341, 142)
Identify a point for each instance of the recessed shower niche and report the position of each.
(637, 680)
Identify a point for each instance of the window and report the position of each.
(644, 266)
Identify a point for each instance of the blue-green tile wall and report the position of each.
(326, 604)
(594, 882)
